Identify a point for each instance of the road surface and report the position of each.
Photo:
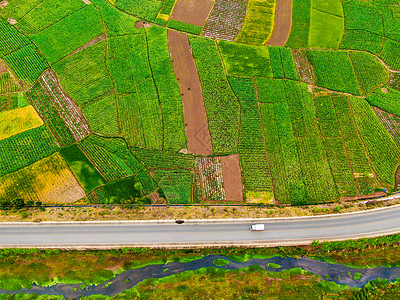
(278, 232)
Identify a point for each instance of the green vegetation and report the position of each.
(221, 104)
(78, 29)
(83, 169)
(251, 144)
(8, 84)
(168, 89)
(185, 27)
(300, 24)
(46, 14)
(146, 9)
(258, 23)
(244, 60)
(384, 153)
(175, 184)
(221, 262)
(31, 146)
(10, 39)
(326, 29)
(334, 71)
(370, 72)
(389, 101)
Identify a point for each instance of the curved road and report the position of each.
(289, 231)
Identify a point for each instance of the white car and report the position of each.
(257, 227)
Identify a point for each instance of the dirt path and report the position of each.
(283, 23)
(192, 11)
(91, 43)
(2, 69)
(196, 126)
(232, 178)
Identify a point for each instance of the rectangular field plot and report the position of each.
(146, 9)
(252, 149)
(25, 148)
(48, 180)
(225, 20)
(326, 30)
(388, 101)
(176, 185)
(258, 23)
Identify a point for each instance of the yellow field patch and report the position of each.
(163, 17)
(18, 120)
(48, 180)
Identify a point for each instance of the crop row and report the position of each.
(388, 101)
(390, 122)
(168, 89)
(8, 84)
(25, 148)
(384, 153)
(129, 65)
(258, 23)
(282, 63)
(225, 20)
(176, 185)
(10, 39)
(48, 181)
(251, 144)
(221, 104)
(209, 182)
(110, 166)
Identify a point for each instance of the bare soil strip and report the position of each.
(283, 23)
(91, 43)
(156, 199)
(193, 12)
(364, 197)
(196, 126)
(232, 178)
(3, 4)
(2, 69)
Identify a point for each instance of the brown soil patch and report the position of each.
(87, 1)
(2, 69)
(156, 199)
(91, 43)
(397, 179)
(192, 11)
(12, 21)
(3, 4)
(363, 197)
(232, 178)
(142, 24)
(196, 126)
(283, 23)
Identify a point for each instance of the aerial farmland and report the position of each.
(199, 102)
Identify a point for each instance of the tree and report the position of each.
(18, 203)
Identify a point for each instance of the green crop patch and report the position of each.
(362, 40)
(333, 7)
(252, 149)
(370, 72)
(83, 169)
(47, 13)
(17, 9)
(27, 64)
(78, 29)
(31, 146)
(11, 39)
(116, 22)
(258, 23)
(244, 60)
(382, 150)
(361, 15)
(176, 185)
(334, 71)
(298, 37)
(326, 30)
(164, 160)
(185, 27)
(389, 101)
(146, 9)
(8, 84)
(391, 54)
(270, 90)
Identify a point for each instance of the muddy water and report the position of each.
(128, 279)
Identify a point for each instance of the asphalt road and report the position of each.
(277, 232)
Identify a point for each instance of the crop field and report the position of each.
(189, 101)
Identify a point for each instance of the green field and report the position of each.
(312, 121)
